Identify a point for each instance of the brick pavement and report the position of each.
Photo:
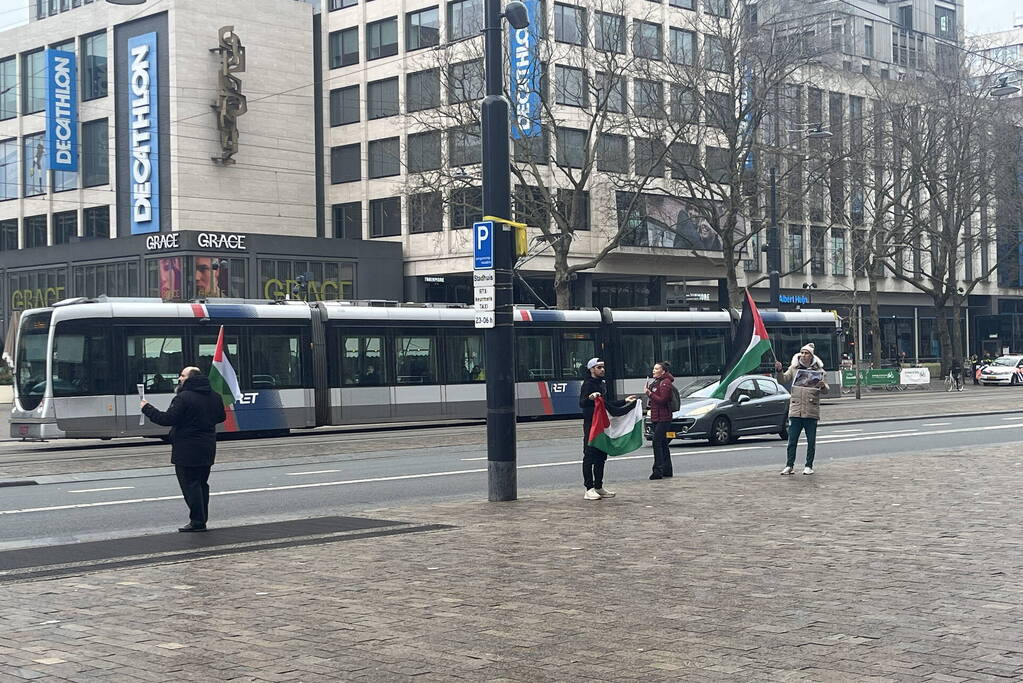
(901, 569)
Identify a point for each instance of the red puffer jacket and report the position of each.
(660, 398)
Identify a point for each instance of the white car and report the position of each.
(1003, 370)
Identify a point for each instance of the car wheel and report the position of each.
(721, 431)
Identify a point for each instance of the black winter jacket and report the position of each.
(193, 417)
(593, 385)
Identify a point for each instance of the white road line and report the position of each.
(368, 480)
(471, 459)
(108, 488)
(935, 424)
(1012, 418)
(295, 474)
(867, 437)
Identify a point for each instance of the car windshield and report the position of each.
(1010, 361)
(701, 388)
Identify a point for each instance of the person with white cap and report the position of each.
(593, 458)
(804, 404)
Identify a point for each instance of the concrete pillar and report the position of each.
(415, 289)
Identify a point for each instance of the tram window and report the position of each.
(206, 347)
(31, 361)
(710, 351)
(534, 356)
(465, 358)
(81, 361)
(415, 360)
(155, 360)
(362, 361)
(276, 360)
(637, 351)
(677, 349)
(576, 349)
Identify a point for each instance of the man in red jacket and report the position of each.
(659, 394)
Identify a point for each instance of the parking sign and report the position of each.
(483, 245)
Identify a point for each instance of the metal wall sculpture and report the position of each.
(231, 103)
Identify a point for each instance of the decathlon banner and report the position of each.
(525, 75)
(143, 139)
(61, 110)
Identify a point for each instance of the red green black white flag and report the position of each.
(748, 347)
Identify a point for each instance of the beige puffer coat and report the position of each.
(804, 401)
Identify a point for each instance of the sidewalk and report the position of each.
(870, 570)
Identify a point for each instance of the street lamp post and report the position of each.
(501, 451)
(773, 247)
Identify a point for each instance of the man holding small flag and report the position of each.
(193, 417)
(609, 428)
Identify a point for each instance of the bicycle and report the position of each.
(954, 380)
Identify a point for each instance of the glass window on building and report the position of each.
(385, 217)
(714, 54)
(534, 356)
(382, 39)
(647, 39)
(8, 169)
(570, 86)
(683, 4)
(415, 359)
(817, 250)
(33, 82)
(34, 231)
(344, 105)
(35, 165)
(465, 358)
(341, 4)
(650, 156)
(466, 207)
(721, 8)
(609, 33)
(795, 249)
(384, 158)
(110, 279)
(569, 24)
(837, 251)
(8, 89)
(613, 153)
(344, 47)
(465, 82)
(529, 206)
(325, 280)
(348, 220)
(9, 234)
(422, 29)
(37, 288)
(164, 278)
(465, 146)
(216, 277)
(683, 46)
(945, 22)
(571, 147)
(422, 90)
(527, 150)
(574, 205)
(96, 222)
(65, 226)
(345, 164)
(382, 98)
(94, 66)
(363, 362)
(425, 212)
(683, 161)
(465, 19)
(423, 151)
(610, 90)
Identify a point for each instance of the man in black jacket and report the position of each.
(193, 417)
(593, 458)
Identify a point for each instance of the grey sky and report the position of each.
(12, 13)
(988, 16)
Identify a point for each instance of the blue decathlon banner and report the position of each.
(525, 74)
(61, 110)
(144, 138)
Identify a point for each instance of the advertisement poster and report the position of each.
(170, 278)
(212, 277)
(668, 222)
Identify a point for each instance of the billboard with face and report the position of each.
(667, 222)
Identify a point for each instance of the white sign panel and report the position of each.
(915, 376)
(484, 319)
(483, 278)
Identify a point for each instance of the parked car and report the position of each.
(1003, 370)
(753, 404)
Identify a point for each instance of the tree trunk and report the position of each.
(875, 323)
(562, 281)
(731, 272)
(956, 328)
(941, 320)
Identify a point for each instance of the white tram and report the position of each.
(303, 365)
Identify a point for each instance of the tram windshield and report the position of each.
(31, 360)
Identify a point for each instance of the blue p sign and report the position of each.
(483, 245)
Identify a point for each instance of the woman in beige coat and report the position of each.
(804, 404)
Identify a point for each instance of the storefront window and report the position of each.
(214, 277)
(111, 279)
(37, 288)
(320, 280)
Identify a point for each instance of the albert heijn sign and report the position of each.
(212, 241)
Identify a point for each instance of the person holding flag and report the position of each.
(604, 434)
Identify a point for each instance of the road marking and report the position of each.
(471, 459)
(1012, 418)
(935, 424)
(867, 437)
(368, 480)
(108, 488)
(295, 474)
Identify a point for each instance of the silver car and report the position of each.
(753, 404)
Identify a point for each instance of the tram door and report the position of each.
(83, 378)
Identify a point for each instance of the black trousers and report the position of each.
(195, 487)
(662, 456)
(593, 467)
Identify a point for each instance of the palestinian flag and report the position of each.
(222, 377)
(748, 347)
(616, 435)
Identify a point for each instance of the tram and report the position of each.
(303, 365)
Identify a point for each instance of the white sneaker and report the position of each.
(807, 470)
(591, 494)
(787, 470)
(604, 493)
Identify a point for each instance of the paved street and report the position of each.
(903, 568)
